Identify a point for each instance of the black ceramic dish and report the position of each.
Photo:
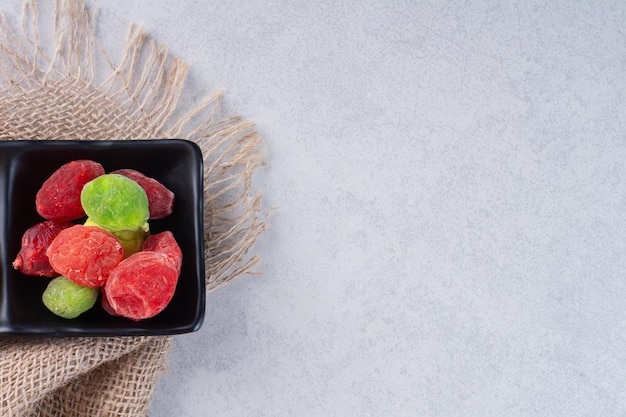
(26, 164)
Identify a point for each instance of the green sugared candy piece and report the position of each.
(68, 300)
(131, 240)
(115, 203)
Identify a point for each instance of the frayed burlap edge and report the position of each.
(75, 91)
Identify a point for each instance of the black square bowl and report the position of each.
(26, 164)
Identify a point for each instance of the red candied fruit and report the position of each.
(59, 196)
(104, 302)
(85, 255)
(160, 198)
(142, 285)
(32, 258)
(164, 242)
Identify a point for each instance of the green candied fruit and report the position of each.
(115, 202)
(68, 300)
(131, 240)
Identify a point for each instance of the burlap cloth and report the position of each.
(64, 86)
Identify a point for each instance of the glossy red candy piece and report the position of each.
(164, 242)
(160, 198)
(32, 258)
(142, 285)
(59, 196)
(104, 302)
(85, 255)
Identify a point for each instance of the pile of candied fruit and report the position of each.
(112, 253)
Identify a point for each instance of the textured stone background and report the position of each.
(451, 238)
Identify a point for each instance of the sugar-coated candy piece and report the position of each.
(104, 302)
(160, 198)
(116, 202)
(131, 240)
(165, 242)
(32, 258)
(67, 299)
(59, 196)
(142, 285)
(85, 255)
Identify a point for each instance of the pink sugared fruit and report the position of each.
(164, 242)
(142, 285)
(32, 258)
(59, 196)
(85, 255)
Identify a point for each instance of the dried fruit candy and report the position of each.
(112, 253)
(59, 196)
(131, 240)
(85, 255)
(115, 202)
(164, 242)
(104, 302)
(32, 258)
(142, 285)
(160, 198)
(67, 299)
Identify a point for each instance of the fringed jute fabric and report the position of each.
(65, 86)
